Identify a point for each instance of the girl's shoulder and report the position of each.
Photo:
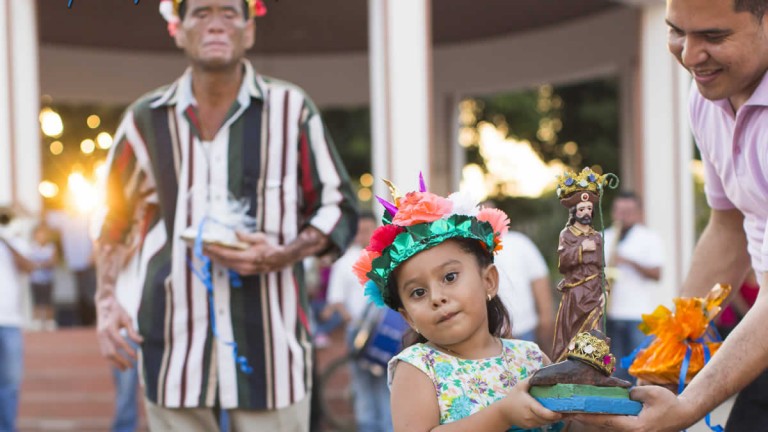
(422, 357)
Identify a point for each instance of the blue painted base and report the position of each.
(592, 404)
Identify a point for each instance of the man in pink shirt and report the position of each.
(724, 45)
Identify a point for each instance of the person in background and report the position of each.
(525, 289)
(223, 325)
(12, 264)
(77, 247)
(346, 298)
(740, 303)
(43, 254)
(635, 256)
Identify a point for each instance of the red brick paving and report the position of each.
(68, 386)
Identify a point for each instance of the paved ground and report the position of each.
(68, 386)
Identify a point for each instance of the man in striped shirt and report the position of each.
(243, 342)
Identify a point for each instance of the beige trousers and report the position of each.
(294, 418)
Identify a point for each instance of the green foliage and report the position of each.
(351, 132)
(550, 118)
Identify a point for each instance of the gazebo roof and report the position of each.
(299, 26)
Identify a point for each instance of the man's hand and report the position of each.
(662, 412)
(260, 257)
(112, 344)
(588, 245)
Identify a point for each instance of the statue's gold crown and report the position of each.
(593, 351)
(587, 180)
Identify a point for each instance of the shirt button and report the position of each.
(221, 312)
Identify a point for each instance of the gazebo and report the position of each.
(411, 61)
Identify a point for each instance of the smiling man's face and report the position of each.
(725, 51)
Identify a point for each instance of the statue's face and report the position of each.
(584, 213)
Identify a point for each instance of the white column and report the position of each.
(400, 37)
(667, 149)
(6, 162)
(20, 165)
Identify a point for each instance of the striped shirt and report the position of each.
(272, 149)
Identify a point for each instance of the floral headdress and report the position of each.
(169, 9)
(419, 221)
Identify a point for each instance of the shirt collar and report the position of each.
(759, 97)
(180, 92)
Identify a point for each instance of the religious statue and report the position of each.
(580, 260)
(580, 380)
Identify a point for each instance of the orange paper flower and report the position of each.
(364, 264)
(421, 207)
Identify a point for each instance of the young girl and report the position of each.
(432, 262)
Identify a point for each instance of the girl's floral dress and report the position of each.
(464, 387)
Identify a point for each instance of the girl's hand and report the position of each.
(522, 410)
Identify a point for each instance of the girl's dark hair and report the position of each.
(499, 323)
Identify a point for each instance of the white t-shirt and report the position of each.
(11, 303)
(633, 294)
(343, 286)
(519, 264)
(75, 239)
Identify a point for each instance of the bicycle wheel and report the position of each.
(336, 395)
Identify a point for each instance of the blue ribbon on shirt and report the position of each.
(204, 274)
(687, 361)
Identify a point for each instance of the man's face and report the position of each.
(584, 213)
(626, 211)
(725, 51)
(365, 229)
(215, 33)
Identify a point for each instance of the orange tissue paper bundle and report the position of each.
(674, 331)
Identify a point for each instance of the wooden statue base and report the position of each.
(573, 398)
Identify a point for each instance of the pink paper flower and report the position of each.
(421, 207)
(259, 8)
(497, 218)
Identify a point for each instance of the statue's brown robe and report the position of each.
(581, 307)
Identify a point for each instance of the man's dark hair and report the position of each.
(183, 9)
(5, 218)
(571, 215)
(626, 194)
(755, 7)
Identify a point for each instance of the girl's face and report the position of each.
(444, 294)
